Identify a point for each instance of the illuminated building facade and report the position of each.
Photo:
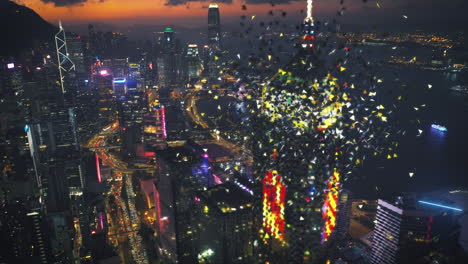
(54, 141)
(103, 83)
(214, 27)
(65, 64)
(176, 187)
(58, 177)
(274, 198)
(135, 80)
(75, 47)
(386, 233)
(23, 235)
(193, 62)
(119, 67)
(202, 169)
(166, 62)
(403, 230)
(223, 220)
(154, 128)
(214, 41)
(119, 86)
(344, 213)
(132, 107)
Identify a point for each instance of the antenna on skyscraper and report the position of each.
(309, 10)
(308, 27)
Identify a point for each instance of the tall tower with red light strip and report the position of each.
(274, 198)
(330, 206)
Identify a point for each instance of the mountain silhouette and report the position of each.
(21, 29)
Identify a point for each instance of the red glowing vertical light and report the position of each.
(163, 121)
(329, 209)
(101, 220)
(429, 228)
(158, 208)
(98, 168)
(274, 196)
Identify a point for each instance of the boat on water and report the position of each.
(460, 89)
(439, 127)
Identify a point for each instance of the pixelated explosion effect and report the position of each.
(274, 195)
(330, 124)
(329, 209)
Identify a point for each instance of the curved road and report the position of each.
(122, 217)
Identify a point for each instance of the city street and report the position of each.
(122, 217)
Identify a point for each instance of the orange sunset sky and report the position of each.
(192, 13)
(155, 11)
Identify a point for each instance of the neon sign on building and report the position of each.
(98, 168)
(163, 121)
(274, 195)
(329, 208)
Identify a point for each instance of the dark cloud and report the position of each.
(276, 2)
(248, 2)
(66, 2)
(186, 2)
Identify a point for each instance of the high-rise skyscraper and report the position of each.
(386, 233)
(214, 41)
(103, 83)
(214, 27)
(224, 230)
(344, 214)
(65, 64)
(166, 63)
(76, 52)
(23, 235)
(402, 232)
(168, 41)
(193, 61)
(154, 128)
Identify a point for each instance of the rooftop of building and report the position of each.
(227, 197)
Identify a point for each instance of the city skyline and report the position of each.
(236, 133)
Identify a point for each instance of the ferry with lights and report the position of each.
(460, 89)
(439, 127)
